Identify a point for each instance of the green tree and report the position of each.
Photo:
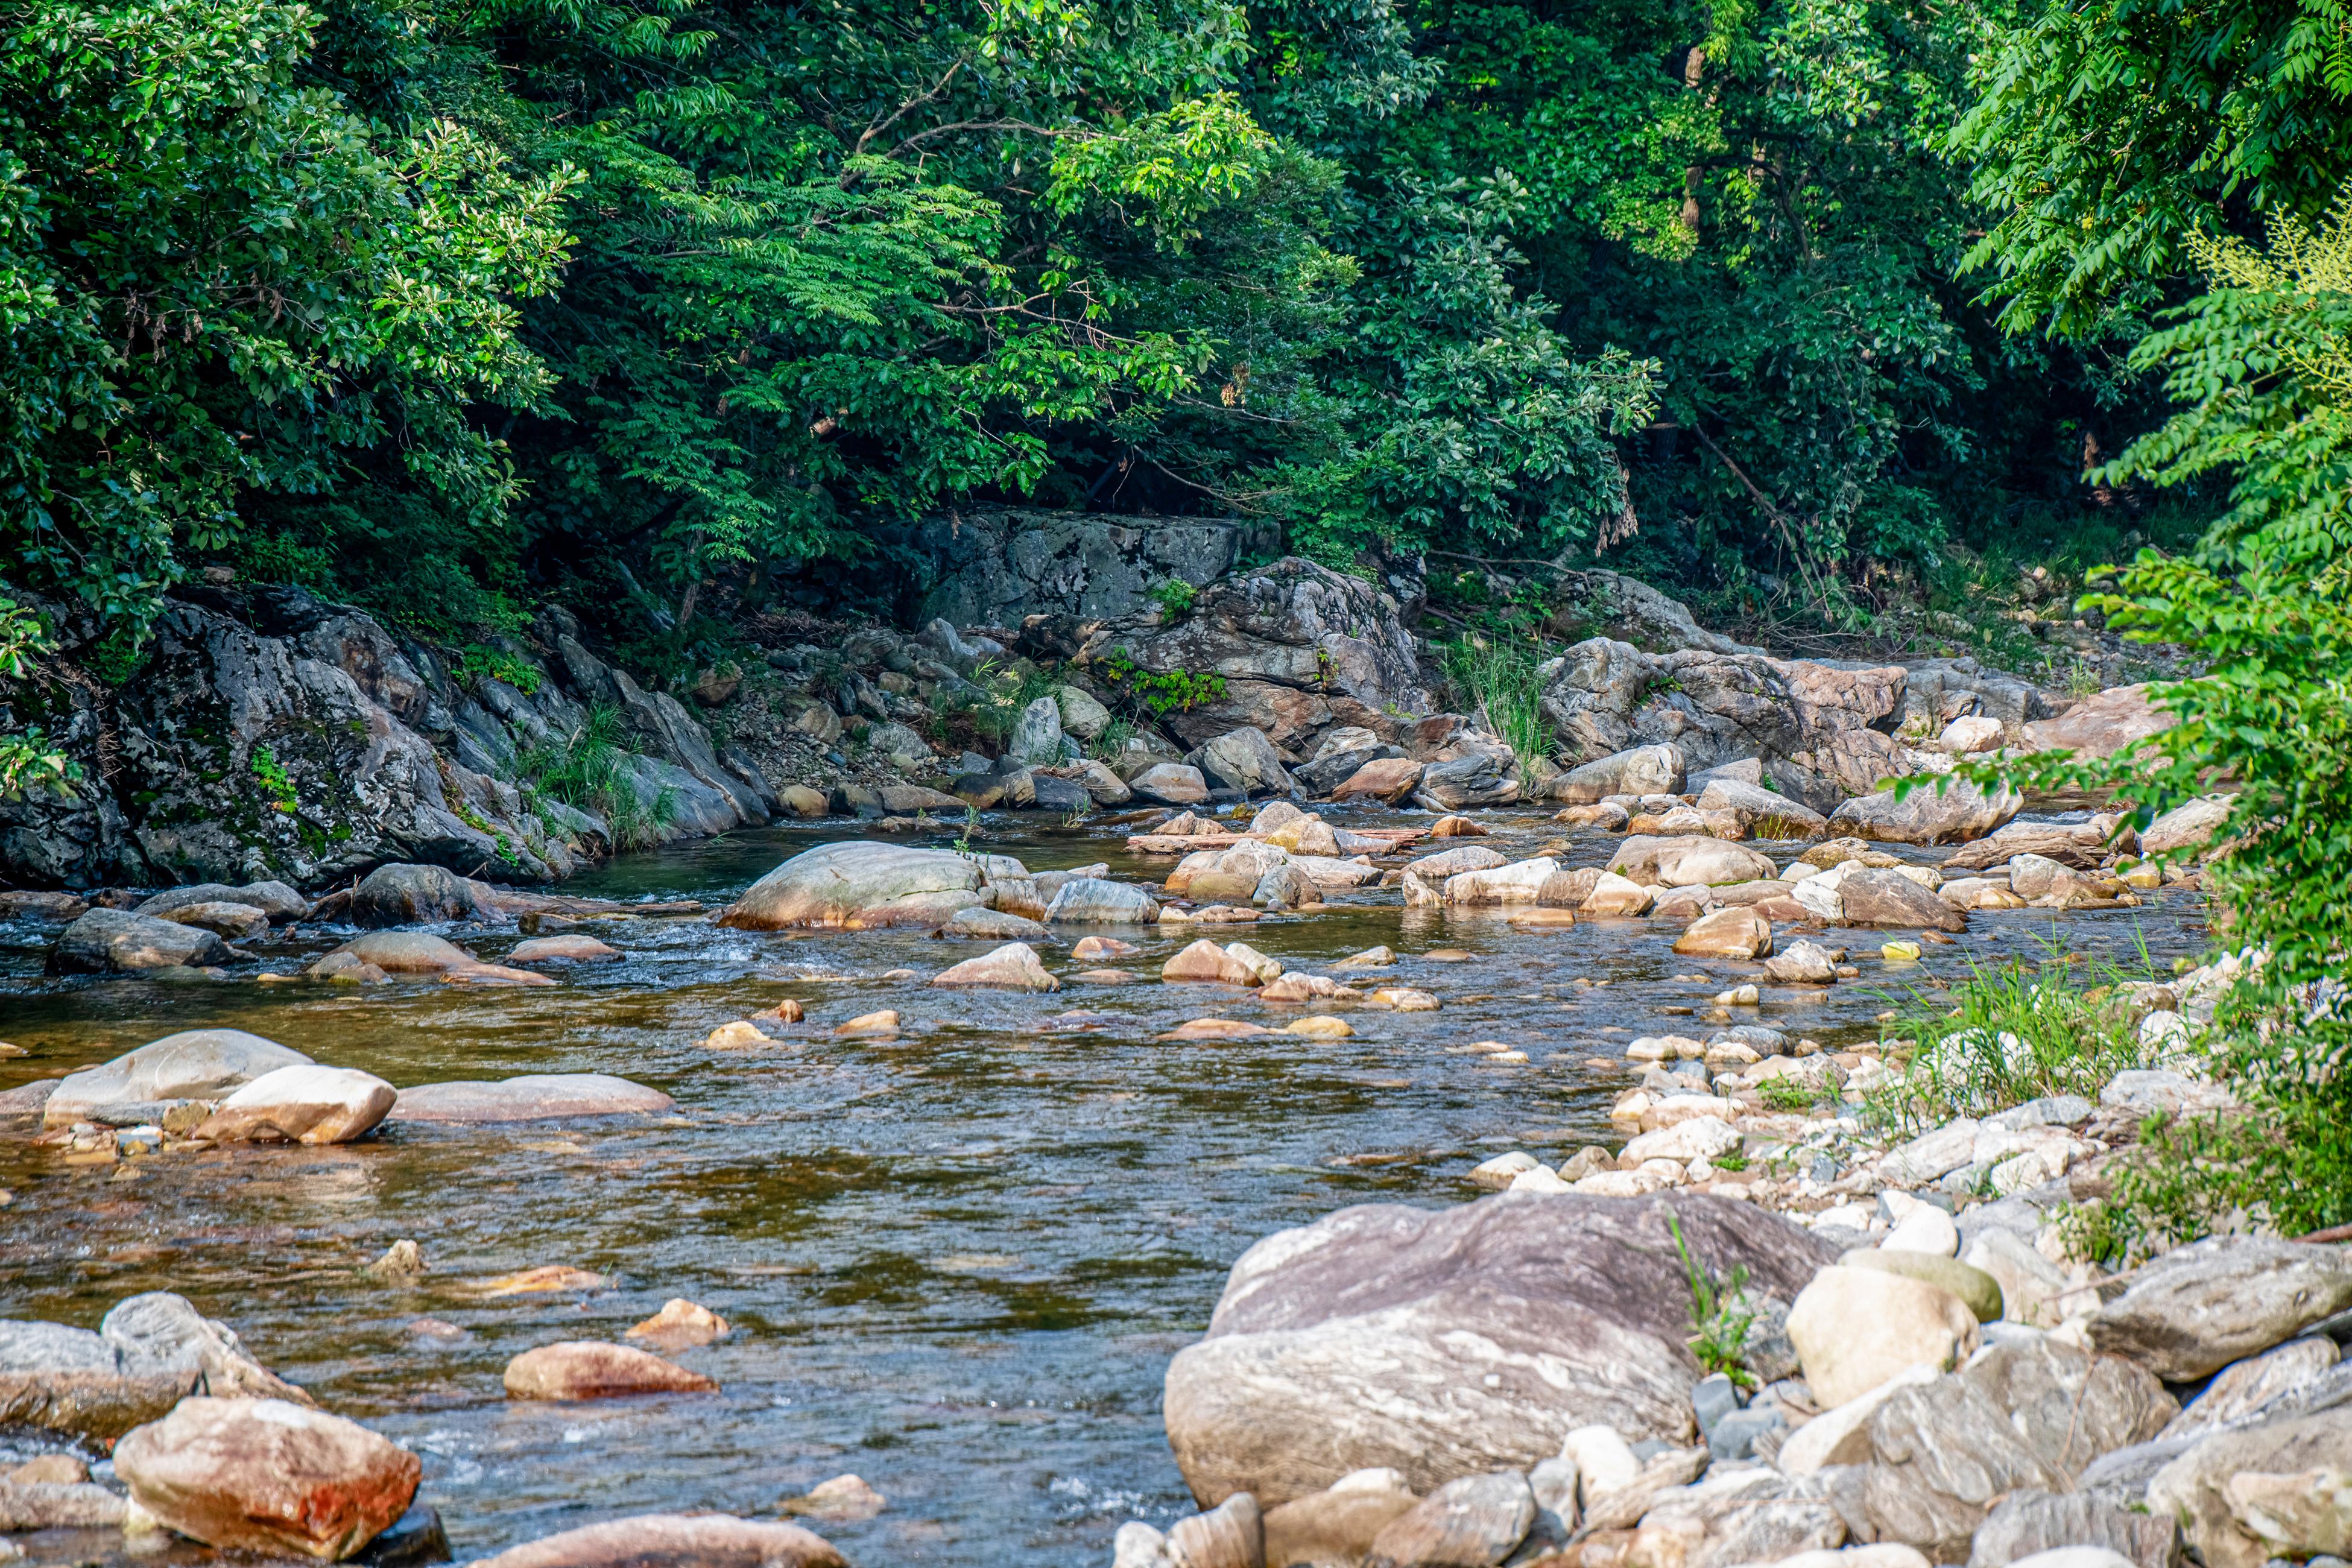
(216, 281)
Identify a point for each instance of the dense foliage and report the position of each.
(2263, 362)
(448, 306)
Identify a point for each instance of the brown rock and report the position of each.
(1093, 949)
(1727, 933)
(680, 1325)
(787, 1011)
(1204, 961)
(1890, 899)
(674, 1541)
(868, 1027)
(1384, 778)
(2099, 726)
(266, 1476)
(1337, 1525)
(595, 1369)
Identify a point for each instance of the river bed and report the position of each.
(956, 1263)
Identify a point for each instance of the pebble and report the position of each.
(1402, 999)
(1900, 952)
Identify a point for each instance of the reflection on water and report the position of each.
(957, 1262)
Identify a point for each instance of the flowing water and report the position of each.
(957, 1263)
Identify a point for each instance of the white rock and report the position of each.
(1499, 1172)
(1856, 1328)
(1925, 1229)
(1700, 1138)
(1604, 1461)
(1542, 1179)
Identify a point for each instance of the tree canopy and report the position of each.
(449, 304)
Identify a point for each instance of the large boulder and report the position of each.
(412, 894)
(532, 1096)
(1243, 759)
(674, 1541)
(1448, 1342)
(1951, 811)
(857, 885)
(1301, 648)
(104, 940)
(2199, 1308)
(301, 1104)
(1821, 731)
(2098, 726)
(147, 1084)
(262, 1474)
(1693, 860)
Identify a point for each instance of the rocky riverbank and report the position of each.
(1911, 1354)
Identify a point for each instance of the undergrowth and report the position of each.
(587, 770)
(2014, 1032)
(1495, 671)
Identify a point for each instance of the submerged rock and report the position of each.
(597, 1369)
(411, 895)
(532, 1096)
(674, 1541)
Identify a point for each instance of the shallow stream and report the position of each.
(956, 1263)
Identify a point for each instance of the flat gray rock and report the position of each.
(2199, 1308)
(107, 941)
(2029, 1521)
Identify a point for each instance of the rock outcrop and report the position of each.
(270, 735)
